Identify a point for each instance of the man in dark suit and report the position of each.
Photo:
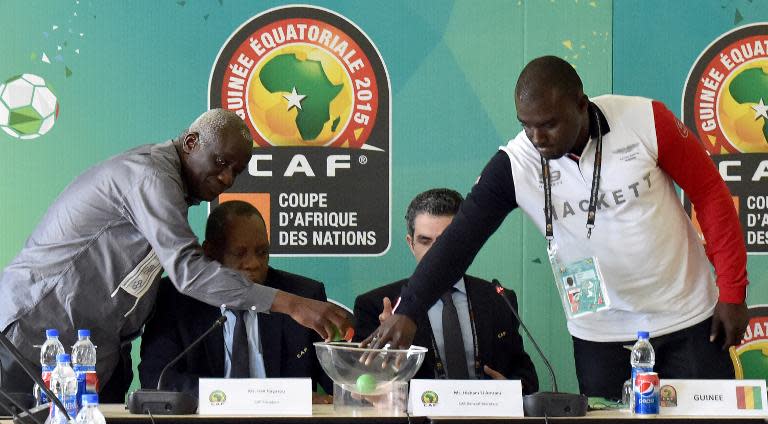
(486, 336)
(274, 344)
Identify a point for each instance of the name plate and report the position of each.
(712, 397)
(466, 398)
(255, 396)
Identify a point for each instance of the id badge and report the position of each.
(580, 285)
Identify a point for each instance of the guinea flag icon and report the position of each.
(748, 397)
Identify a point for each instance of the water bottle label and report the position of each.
(47, 380)
(84, 368)
(70, 404)
(636, 370)
(91, 382)
(87, 382)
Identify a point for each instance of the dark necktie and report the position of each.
(455, 358)
(240, 365)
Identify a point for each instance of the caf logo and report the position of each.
(429, 398)
(217, 397)
(300, 76)
(725, 99)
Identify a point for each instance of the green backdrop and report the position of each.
(140, 75)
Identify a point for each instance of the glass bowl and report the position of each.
(367, 371)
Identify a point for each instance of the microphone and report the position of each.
(35, 377)
(546, 404)
(166, 402)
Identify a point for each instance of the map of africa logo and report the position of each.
(743, 109)
(725, 99)
(300, 95)
(306, 80)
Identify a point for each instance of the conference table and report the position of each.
(324, 414)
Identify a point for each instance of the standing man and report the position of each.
(604, 171)
(95, 258)
(250, 344)
(486, 342)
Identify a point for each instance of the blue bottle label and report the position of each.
(636, 370)
(70, 404)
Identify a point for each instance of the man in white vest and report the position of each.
(597, 177)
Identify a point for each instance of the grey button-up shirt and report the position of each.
(95, 258)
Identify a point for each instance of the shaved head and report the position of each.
(545, 75)
(552, 108)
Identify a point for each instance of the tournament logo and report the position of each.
(749, 356)
(314, 92)
(668, 396)
(726, 93)
(429, 398)
(725, 103)
(217, 397)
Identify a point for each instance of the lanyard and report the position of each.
(592, 196)
(439, 367)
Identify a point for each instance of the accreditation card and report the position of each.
(580, 285)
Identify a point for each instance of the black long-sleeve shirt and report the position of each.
(453, 252)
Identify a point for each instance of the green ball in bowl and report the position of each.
(366, 384)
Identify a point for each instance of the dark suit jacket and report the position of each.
(179, 320)
(499, 343)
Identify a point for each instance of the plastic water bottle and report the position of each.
(84, 364)
(48, 353)
(90, 413)
(64, 386)
(642, 360)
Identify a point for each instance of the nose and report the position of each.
(537, 136)
(227, 177)
(251, 263)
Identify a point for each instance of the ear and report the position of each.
(409, 240)
(583, 103)
(190, 142)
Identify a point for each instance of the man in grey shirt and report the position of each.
(95, 259)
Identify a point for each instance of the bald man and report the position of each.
(96, 256)
(605, 169)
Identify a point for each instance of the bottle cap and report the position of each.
(83, 333)
(63, 357)
(90, 399)
(51, 332)
(642, 335)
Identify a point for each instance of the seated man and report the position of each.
(487, 342)
(272, 344)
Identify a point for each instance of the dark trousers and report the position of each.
(117, 386)
(602, 368)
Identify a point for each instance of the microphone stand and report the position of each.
(20, 418)
(168, 402)
(35, 377)
(546, 404)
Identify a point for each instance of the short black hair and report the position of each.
(437, 202)
(548, 72)
(216, 226)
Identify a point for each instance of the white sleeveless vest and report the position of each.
(656, 272)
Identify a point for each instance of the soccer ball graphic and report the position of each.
(28, 108)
